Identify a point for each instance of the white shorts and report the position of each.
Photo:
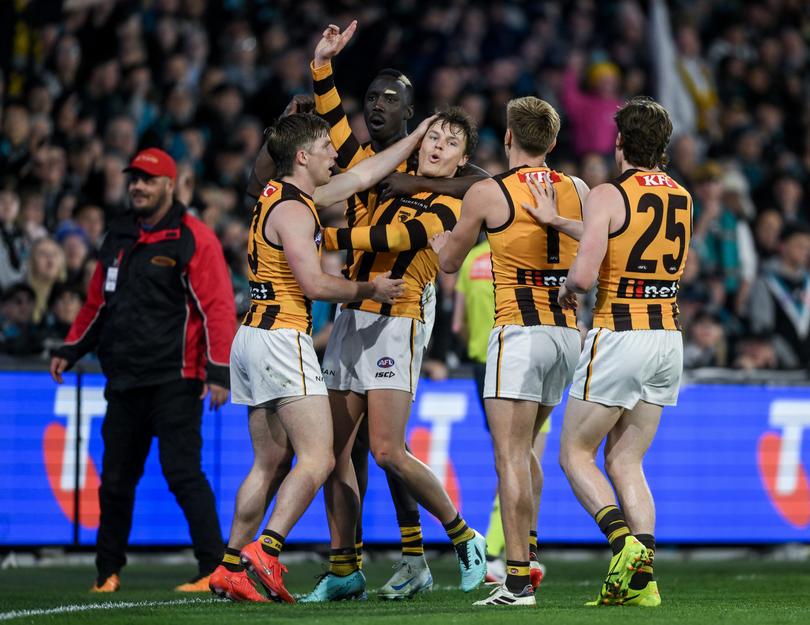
(534, 363)
(267, 365)
(367, 351)
(620, 368)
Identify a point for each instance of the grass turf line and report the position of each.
(733, 592)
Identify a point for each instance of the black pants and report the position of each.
(173, 413)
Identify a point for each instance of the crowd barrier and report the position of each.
(729, 465)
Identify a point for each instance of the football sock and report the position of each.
(533, 545)
(459, 532)
(614, 527)
(272, 542)
(343, 562)
(410, 531)
(517, 575)
(231, 560)
(358, 546)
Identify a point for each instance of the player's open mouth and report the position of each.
(434, 158)
(376, 121)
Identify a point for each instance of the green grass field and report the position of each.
(738, 592)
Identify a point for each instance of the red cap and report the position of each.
(155, 162)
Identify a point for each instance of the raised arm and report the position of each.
(544, 210)
(370, 171)
(295, 233)
(414, 234)
(327, 99)
(453, 247)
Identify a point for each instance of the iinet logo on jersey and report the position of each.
(780, 464)
(59, 451)
(432, 444)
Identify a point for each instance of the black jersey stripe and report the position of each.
(528, 309)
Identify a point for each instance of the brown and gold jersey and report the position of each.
(398, 240)
(530, 261)
(277, 300)
(638, 279)
(350, 151)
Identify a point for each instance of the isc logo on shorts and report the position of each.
(385, 363)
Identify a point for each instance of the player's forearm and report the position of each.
(371, 170)
(371, 239)
(328, 288)
(451, 257)
(580, 280)
(454, 187)
(571, 227)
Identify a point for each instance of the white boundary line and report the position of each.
(109, 605)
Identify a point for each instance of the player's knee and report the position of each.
(318, 466)
(619, 466)
(387, 457)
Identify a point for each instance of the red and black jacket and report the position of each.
(159, 307)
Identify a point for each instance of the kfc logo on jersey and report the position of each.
(539, 176)
(385, 363)
(269, 190)
(656, 180)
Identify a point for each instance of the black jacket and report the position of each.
(159, 306)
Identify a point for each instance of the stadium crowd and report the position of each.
(85, 84)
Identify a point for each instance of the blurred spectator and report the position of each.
(19, 335)
(45, 269)
(706, 346)
(780, 299)
(64, 305)
(90, 218)
(13, 247)
(76, 249)
(591, 112)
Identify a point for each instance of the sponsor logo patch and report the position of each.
(656, 180)
(640, 288)
(385, 362)
(385, 374)
(550, 278)
(539, 176)
(269, 190)
(163, 261)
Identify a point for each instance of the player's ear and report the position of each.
(301, 157)
(463, 161)
(552, 146)
(507, 138)
(408, 111)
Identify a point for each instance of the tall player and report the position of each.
(637, 232)
(387, 107)
(374, 356)
(274, 370)
(534, 345)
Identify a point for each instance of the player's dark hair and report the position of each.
(398, 75)
(289, 134)
(457, 117)
(646, 129)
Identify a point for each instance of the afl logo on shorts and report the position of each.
(385, 363)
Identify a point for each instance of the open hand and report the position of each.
(544, 210)
(438, 241)
(219, 395)
(387, 290)
(332, 42)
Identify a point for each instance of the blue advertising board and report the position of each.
(729, 465)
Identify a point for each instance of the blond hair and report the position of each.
(534, 124)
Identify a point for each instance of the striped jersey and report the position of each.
(531, 261)
(276, 298)
(639, 276)
(397, 240)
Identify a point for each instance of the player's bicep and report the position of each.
(295, 233)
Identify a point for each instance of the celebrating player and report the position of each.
(274, 369)
(532, 219)
(636, 237)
